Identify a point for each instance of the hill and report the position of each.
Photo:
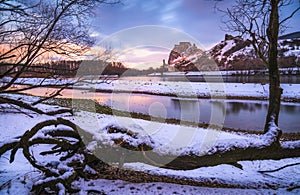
(294, 35)
(233, 53)
(237, 53)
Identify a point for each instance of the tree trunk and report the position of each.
(274, 77)
(191, 161)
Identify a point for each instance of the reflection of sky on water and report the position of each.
(239, 114)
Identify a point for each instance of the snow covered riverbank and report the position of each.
(165, 138)
(190, 89)
(291, 92)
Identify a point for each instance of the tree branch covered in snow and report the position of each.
(72, 162)
(22, 104)
(32, 32)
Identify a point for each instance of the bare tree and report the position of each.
(30, 32)
(260, 22)
(33, 31)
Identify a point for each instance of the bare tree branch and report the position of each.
(274, 170)
(30, 107)
(290, 16)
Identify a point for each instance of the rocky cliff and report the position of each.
(188, 57)
(233, 53)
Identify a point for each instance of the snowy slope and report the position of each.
(238, 53)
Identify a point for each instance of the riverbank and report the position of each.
(244, 91)
(252, 91)
(19, 176)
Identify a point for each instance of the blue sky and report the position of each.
(197, 18)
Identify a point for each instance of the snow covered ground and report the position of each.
(293, 70)
(17, 178)
(193, 89)
(247, 90)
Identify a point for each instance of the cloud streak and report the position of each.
(198, 18)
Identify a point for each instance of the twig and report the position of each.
(6, 184)
(269, 171)
(22, 111)
(52, 95)
(292, 188)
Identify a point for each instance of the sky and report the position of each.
(198, 19)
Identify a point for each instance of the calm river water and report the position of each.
(237, 114)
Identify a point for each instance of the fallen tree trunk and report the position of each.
(222, 154)
(188, 162)
(229, 157)
(73, 144)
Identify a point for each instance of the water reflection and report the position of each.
(189, 109)
(238, 114)
(291, 109)
(237, 107)
(219, 105)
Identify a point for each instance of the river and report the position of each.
(237, 114)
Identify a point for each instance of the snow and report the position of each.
(207, 89)
(192, 89)
(225, 47)
(116, 187)
(291, 144)
(290, 47)
(164, 138)
(178, 60)
(229, 44)
(293, 70)
(295, 52)
(18, 177)
(272, 134)
(246, 51)
(39, 81)
(248, 176)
